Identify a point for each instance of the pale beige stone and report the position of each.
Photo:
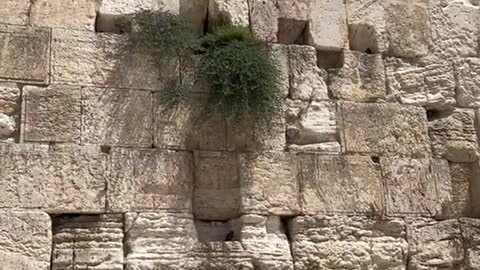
(9, 98)
(385, 129)
(264, 19)
(25, 240)
(219, 256)
(88, 242)
(361, 79)
(427, 82)
(460, 203)
(233, 11)
(470, 229)
(340, 242)
(367, 26)
(453, 136)
(340, 184)
(78, 14)
(14, 11)
(280, 54)
(52, 114)
(327, 29)
(293, 21)
(467, 73)
(30, 66)
(60, 178)
(117, 117)
(7, 127)
(269, 183)
(149, 180)
(416, 186)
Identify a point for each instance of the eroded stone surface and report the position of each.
(79, 14)
(14, 11)
(234, 11)
(459, 203)
(327, 28)
(467, 73)
(470, 233)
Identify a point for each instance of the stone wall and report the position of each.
(374, 166)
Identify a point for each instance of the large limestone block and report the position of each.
(361, 79)
(52, 114)
(14, 12)
(249, 135)
(435, 245)
(453, 136)
(264, 19)
(90, 59)
(327, 29)
(78, 14)
(416, 186)
(307, 80)
(454, 28)
(88, 242)
(9, 109)
(460, 202)
(341, 242)
(426, 82)
(467, 73)
(59, 178)
(32, 65)
(385, 129)
(340, 184)
(269, 183)
(149, 180)
(117, 117)
(470, 229)
(25, 240)
(219, 256)
(7, 128)
(235, 12)
(367, 26)
(216, 192)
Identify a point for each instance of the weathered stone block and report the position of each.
(367, 26)
(78, 14)
(216, 192)
(9, 109)
(52, 114)
(149, 180)
(14, 12)
(340, 184)
(470, 229)
(453, 136)
(415, 186)
(247, 135)
(425, 82)
(88, 242)
(7, 128)
(323, 242)
(467, 73)
(264, 19)
(269, 183)
(234, 11)
(280, 53)
(361, 79)
(459, 202)
(33, 63)
(25, 239)
(385, 129)
(90, 59)
(117, 117)
(327, 29)
(57, 178)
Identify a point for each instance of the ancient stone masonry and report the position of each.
(373, 165)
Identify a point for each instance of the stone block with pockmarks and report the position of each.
(117, 117)
(234, 12)
(79, 14)
(25, 54)
(149, 180)
(467, 74)
(470, 229)
(340, 184)
(25, 240)
(327, 29)
(52, 114)
(387, 129)
(9, 110)
(459, 202)
(14, 11)
(58, 179)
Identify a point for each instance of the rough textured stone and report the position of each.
(460, 202)
(88, 242)
(14, 11)
(59, 178)
(89, 59)
(453, 136)
(52, 114)
(327, 28)
(264, 19)
(148, 180)
(269, 183)
(216, 192)
(25, 240)
(385, 129)
(415, 186)
(234, 11)
(323, 242)
(9, 95)
(361, 79)
(7, 127)
(367, 26)
(280, 53)
(78, 14)
(340, 184)
(470, 229)
(426, 82)
(32, 65)
(117, 117)
(467, 73)
(247, 135)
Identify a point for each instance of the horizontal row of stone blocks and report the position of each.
(165, 240)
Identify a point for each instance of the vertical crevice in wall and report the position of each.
(29, 11)
(287, 228)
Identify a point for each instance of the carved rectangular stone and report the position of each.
(14, 11)
(25, 54)
(149, 180)
(415, 186)
(52, 114)
(327, 29)
(340, 242)
(90, 59)
(453, 136)
(269, 183)
(467, 74)
(387, 129)
(216, 193)
(58, 178)
(340, 184)
(79, 14)
(117, 117)
(88, 242)
(427, 83)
